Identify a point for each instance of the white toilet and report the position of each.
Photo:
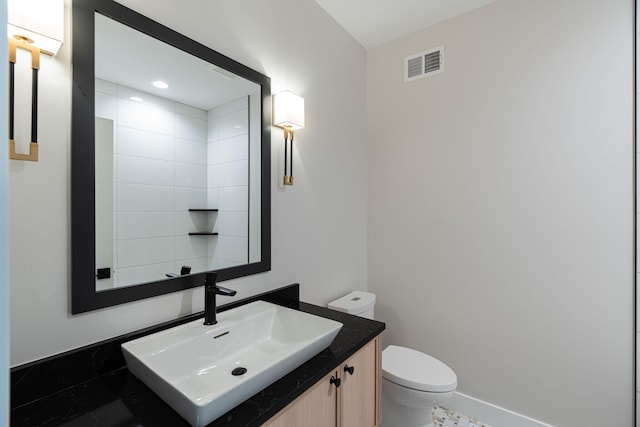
(412, 382)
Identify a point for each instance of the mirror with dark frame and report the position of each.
(170, 160)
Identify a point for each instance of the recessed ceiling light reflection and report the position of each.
(136, 99)
(159, 84)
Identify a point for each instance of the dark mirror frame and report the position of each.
(84, 296)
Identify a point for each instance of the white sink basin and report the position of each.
(190, 366)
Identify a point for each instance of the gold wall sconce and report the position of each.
(288, 114)
(36, 26)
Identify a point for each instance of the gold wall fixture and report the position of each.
(288, 139)
(288, 114)
(14, 44)
(36, 26)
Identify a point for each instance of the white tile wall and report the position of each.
(143, 170)
(212, 131)
(212, 198)
(233, 124)
(191, 175)
(139, 225)
(233, 199)
(136, 142)
(212, 153)
(140, 116)
(212, 175)
(137, 252)
(234, 223)
(187, 110)
(233, 174)
(144, 273)
(106, 87)
(188, 151)
(170, 157)
(106, 106)
(189, 198)
(233, 248)
(212, 249)
(227, 182)
(186, 222)
(142, 197)
(190, 128)
(187, 247)
(233, 149)
(233, 106)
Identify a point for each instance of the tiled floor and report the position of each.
(444, 418)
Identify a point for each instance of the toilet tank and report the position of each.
(359, 303)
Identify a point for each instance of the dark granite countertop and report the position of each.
(92, 385)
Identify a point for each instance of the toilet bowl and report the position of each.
(412, 382)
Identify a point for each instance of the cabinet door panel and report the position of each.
(358, 401)
(316, 408)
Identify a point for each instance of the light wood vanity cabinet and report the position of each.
(360, 390)
(343, 398)
(317, 407)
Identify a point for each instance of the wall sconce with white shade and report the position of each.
(288, 113)
(36, 26)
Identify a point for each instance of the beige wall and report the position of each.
(318, 226)
(500, 205)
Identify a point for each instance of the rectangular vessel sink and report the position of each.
(204, 371)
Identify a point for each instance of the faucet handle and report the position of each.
(225, 291)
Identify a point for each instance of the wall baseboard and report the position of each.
(488, 413)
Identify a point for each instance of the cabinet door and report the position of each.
(359, 400)
(317, 407)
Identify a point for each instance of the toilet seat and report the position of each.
(416, 370)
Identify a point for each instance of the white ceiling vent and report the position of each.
(424, 64)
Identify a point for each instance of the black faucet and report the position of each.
(210, 292)
(183, 272)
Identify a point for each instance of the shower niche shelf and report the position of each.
(202, 233)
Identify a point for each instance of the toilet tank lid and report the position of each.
(354, 303)
(413, 369)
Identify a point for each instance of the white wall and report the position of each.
(318, 226)
(500, 205)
